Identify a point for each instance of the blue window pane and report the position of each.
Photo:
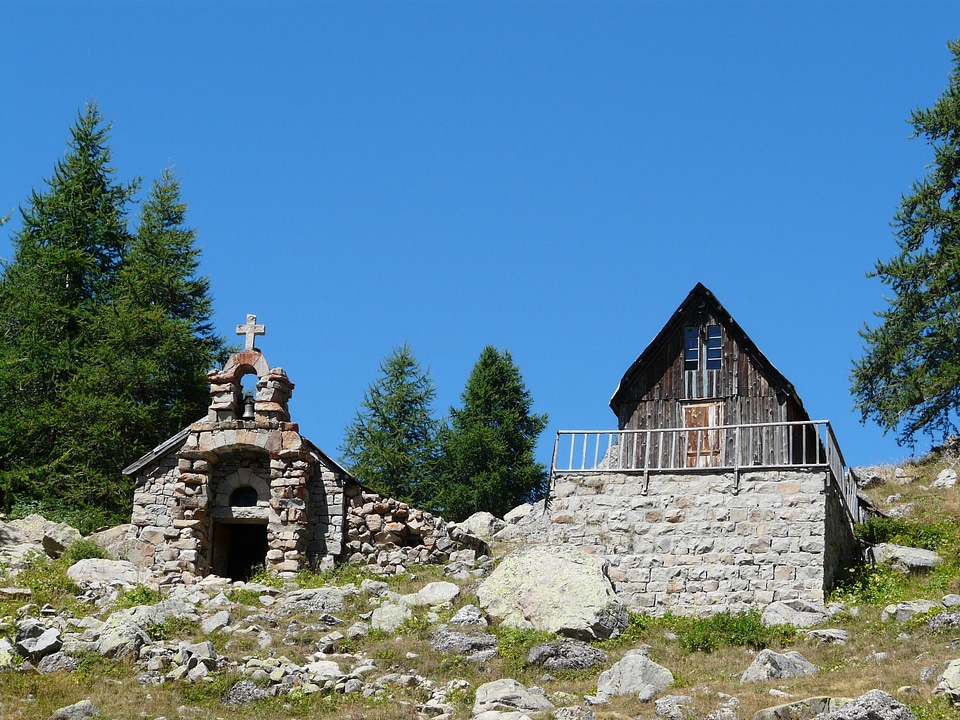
(691, 348)
(714, 347)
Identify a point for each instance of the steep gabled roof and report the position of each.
(700, 296)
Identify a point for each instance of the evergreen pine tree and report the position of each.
(391, 443)
(909, 378)
(487, 452)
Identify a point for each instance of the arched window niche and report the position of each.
(244, 496)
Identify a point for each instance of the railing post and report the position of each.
(736, 460)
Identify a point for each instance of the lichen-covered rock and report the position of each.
(770, 665)
(390, 616)
(793, 612)
(873, 705)
(476, 647)
(806, 708)
(905, 611)
(554, 588)
(507, 695)
(93, 572)
(78, 711)
(635, 673)
(566, 655)
(904, 558)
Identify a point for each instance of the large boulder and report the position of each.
(98, 572)
(905, 559)
(873, 705)
(507, 695)
(806, 708)
(476, 647)
(793, 612)
(905, 611)
(635, 673)
(950, 681)
(566, 655)
(483, 525)
(554, 588)
(770, 665)
(36, 527)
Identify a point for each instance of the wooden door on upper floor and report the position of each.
(703, 444)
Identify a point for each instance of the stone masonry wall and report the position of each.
(389, 535)
(692, 544)
(152, 521)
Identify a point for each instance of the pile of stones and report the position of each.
(389, 536)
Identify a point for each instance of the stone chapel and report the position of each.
(242, 486)
(242, 489)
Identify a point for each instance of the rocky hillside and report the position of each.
(528, 632)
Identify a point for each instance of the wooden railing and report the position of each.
(725, 448)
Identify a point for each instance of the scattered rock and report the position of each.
(390, 616)
(35, 641)
(243, 693)
(806, 708)
(770, 665)
(507, 695)
(437, 593)
(868, 477)
(673, 707)
(905, 611)
(557, 589)
(834, 636)
(483, 524)
(215, 622)
(476, 648)
(635, 673)
(57, 662)
(946, 479)
(873, 705)
(905, 559)
(469, 616)
(566, 655)
(946, 620)
(793, 612)
(78, 711)
(950, 681)
(94, 572)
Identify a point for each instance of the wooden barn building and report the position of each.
(717, 490)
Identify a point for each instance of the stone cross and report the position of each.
(251, 330)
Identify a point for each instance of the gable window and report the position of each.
(714, 344)
(691, 348)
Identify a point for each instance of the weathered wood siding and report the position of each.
(659, 394)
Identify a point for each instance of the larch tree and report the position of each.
(487, 451)
(908, 380)
(391, 443)
(75, 406)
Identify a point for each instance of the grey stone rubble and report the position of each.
(873, 705)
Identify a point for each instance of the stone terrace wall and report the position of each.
(389, 535)
(692, 545)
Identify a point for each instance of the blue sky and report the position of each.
(547, 177)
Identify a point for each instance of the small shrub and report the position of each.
(904, 531)
(83, 549)
(244, 596)
(139, 595)
(726, 629)
(872, 585)
(639, 625)
(172, 628)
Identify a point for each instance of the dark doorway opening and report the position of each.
(239, 549)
